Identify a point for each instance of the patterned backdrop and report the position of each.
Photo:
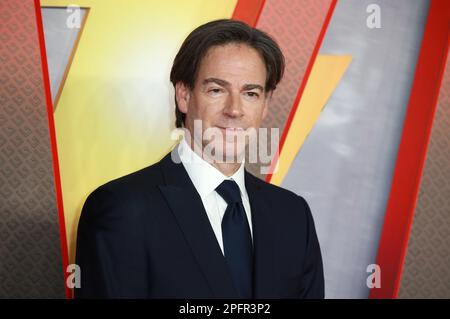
(426, 272)
(30, 258)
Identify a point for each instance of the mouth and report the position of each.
(231, 129)
(230, 133)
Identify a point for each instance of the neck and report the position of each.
(227, 169)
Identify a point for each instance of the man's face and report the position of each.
(228, 95)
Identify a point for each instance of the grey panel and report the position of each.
(345, 167)
(59, 42)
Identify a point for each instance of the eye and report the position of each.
(214, 90)
(252, 94)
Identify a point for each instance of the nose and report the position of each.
(233, 107)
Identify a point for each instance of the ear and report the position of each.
(182, 94)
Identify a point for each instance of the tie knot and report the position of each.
(229, 191)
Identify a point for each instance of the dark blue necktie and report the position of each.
(237, 241)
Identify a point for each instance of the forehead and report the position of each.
(233, 61)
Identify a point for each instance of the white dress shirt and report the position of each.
(206, 178)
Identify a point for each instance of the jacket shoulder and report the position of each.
(120, 196)
(293, 206)
(273, 191)
(143, 178)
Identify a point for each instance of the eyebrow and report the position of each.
(224, 83)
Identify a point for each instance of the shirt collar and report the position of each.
(204, 176)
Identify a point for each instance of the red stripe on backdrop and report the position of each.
(51, 127)
(248, 11)
(413, 148)
(303, 84)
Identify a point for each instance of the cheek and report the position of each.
(204, 108)
(256, 115)
(213, 104)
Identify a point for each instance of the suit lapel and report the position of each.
(263, 240)
(187, 207)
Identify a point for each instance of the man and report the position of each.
(192, 225)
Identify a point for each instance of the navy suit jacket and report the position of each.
(147, 235)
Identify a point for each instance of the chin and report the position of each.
(234, 151)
